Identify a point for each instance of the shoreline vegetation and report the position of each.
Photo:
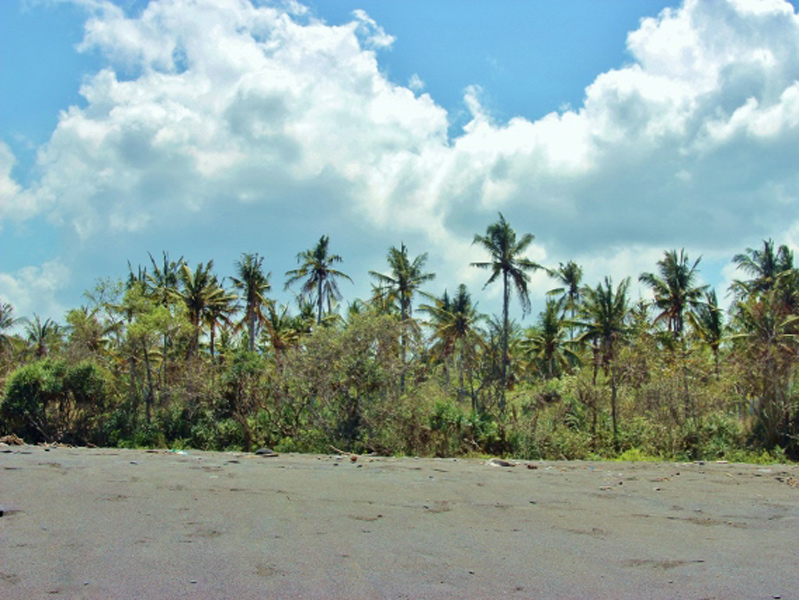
(172, 356)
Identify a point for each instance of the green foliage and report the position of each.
(49, 400)
(168, 359)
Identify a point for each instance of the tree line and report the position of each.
(172, 355)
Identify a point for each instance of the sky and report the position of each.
(612, 131)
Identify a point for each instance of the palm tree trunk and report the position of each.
(150, 397)
(251, 323)
(403, 315)
(319, 302)
(613, 393)
(505, 332)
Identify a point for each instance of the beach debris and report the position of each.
(181, 452)
(532, 466)
(12, 440)
(7, 510)
(268, 452)
(498, 462)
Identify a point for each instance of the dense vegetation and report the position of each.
(172, 356)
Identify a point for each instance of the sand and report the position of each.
(110, 523)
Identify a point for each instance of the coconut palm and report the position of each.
(405, 280)
(508, 263)
(199, 291)
(7, 321)
(603, 318)
(707, 321)
(455, 330)
(162, 282)
(675, 288)
(217, 316)
(320, 277)
(255, 284)
(769, 340)
(88, 335)
(163, 278)
(42, 335)
(546, 345)
(764, 266)
(282, 330)
(570, 278)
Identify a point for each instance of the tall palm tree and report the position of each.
(455, 330)
(42, 335)
(7, 321)
(570, 280)
(282, 330)
(164, 278)
(707, 322)
(604, 320)
(163, 281)
(675, 288)
(508, 263)
(199, 291)
(88, 335)
(676, 291)
(764, 266)
(217, 316)
(255, 284)
(546, 344)
(770, 341)
(316, 266)
(406, 278)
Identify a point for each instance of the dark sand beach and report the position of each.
(110, 523)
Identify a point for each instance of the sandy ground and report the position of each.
(108, 523)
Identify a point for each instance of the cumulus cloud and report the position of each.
(15, 203)
(34, 289)
(225, 107)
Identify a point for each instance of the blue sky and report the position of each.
(611, 130)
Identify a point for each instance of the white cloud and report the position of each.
(209, 106)
(373, 34)
(33, 290)
(416, 83)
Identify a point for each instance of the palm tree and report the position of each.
(316, 266)
(455, 329)
(164, 278)
(546, 344)
(42, 335)
(406, 278)
(675, 289)
(87, 334)
(765, 266)
(570, 277)
(7, 321)
(282, 330)
(218, 316)
(199, 291)
(252, 281)
(707, 321)
(770, 348)
(508, 263)
(603, 318)
(163, 281)
(676, 292)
